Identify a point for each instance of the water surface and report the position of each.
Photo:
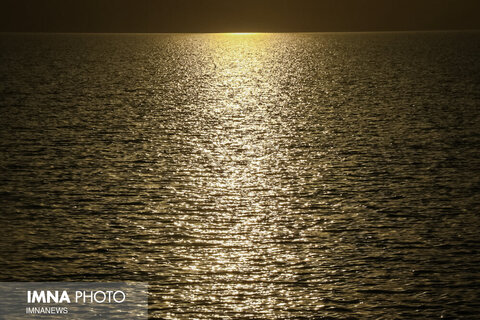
(267, 176)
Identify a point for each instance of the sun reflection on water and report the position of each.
(235, 146)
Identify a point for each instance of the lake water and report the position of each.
(266, 176)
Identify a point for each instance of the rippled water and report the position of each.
(247, 176)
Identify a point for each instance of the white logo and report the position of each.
(47, 296)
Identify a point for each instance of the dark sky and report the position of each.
(236, 15)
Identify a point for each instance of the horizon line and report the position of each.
(239, 32)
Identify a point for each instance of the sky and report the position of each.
(236, 15)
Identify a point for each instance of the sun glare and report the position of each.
(242, 33)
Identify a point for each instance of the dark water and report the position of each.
(270, 176)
